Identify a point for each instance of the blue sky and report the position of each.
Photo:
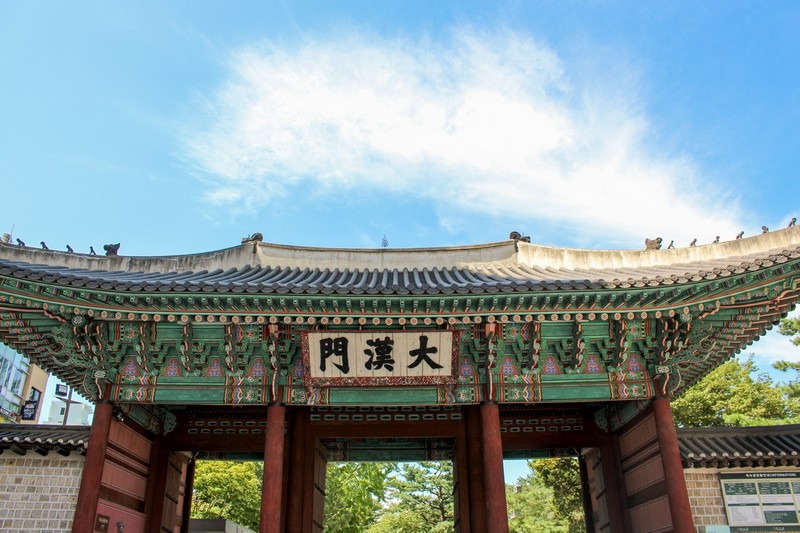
(181, 127)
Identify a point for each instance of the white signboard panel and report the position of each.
(364, 358)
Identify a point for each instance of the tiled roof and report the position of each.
(43, 438)
(740, 446)
(495, 268)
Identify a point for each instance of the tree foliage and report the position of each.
(562, 476)
(730, 395)
(530, 506)
(791, 328)
(228, 489)
(420, 499)
(791, 388)
(353, 495)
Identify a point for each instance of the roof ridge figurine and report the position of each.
(653, 244)
(111, 249)
(255, 237)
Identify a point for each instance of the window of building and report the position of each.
(35, 395)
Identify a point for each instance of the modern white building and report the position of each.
(80, 414)
(22, 387)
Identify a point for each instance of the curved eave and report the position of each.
(506, 267)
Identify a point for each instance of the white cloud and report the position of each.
(483, 122)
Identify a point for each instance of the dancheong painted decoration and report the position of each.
(511, 322)
(470, 354)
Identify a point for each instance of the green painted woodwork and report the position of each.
(566, 380)
(185, 395)
(569, 392)
(191, 381)
(384, 396)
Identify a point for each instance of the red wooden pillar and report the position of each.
(678, 495)
(462, 506)
(297, 461)
(312, 491)
(477, 505)
(89, 492)
(586, 497)
(494, 482)
(272, 489)
(188, 492)
(615, 499)
(156, 488)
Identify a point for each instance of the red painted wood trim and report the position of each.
(679, 506)
(299, 419)
(156, 489)
(586, 497)
(285, 471)
(117, 497)
(89, 492)
(494, 482)
(309, 474)
(477, 506)
(610, 463)
(619, 478)
(461, 474)
(272, 490)
(188, 491)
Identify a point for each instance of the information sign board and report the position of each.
(762, 501)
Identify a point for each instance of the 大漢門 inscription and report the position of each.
(334, 358)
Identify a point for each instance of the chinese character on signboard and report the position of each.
(336, 347)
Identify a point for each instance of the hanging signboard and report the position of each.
(762, 501)
(29, 410)
(364, 358)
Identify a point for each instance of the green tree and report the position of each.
(353, 495)
(791, 389)
(420, 499)
(791, 328)
(730, 395)
(399, 521)
(529, 506)
(228, 489)
(562, 476)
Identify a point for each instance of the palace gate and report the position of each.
(473, 353)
